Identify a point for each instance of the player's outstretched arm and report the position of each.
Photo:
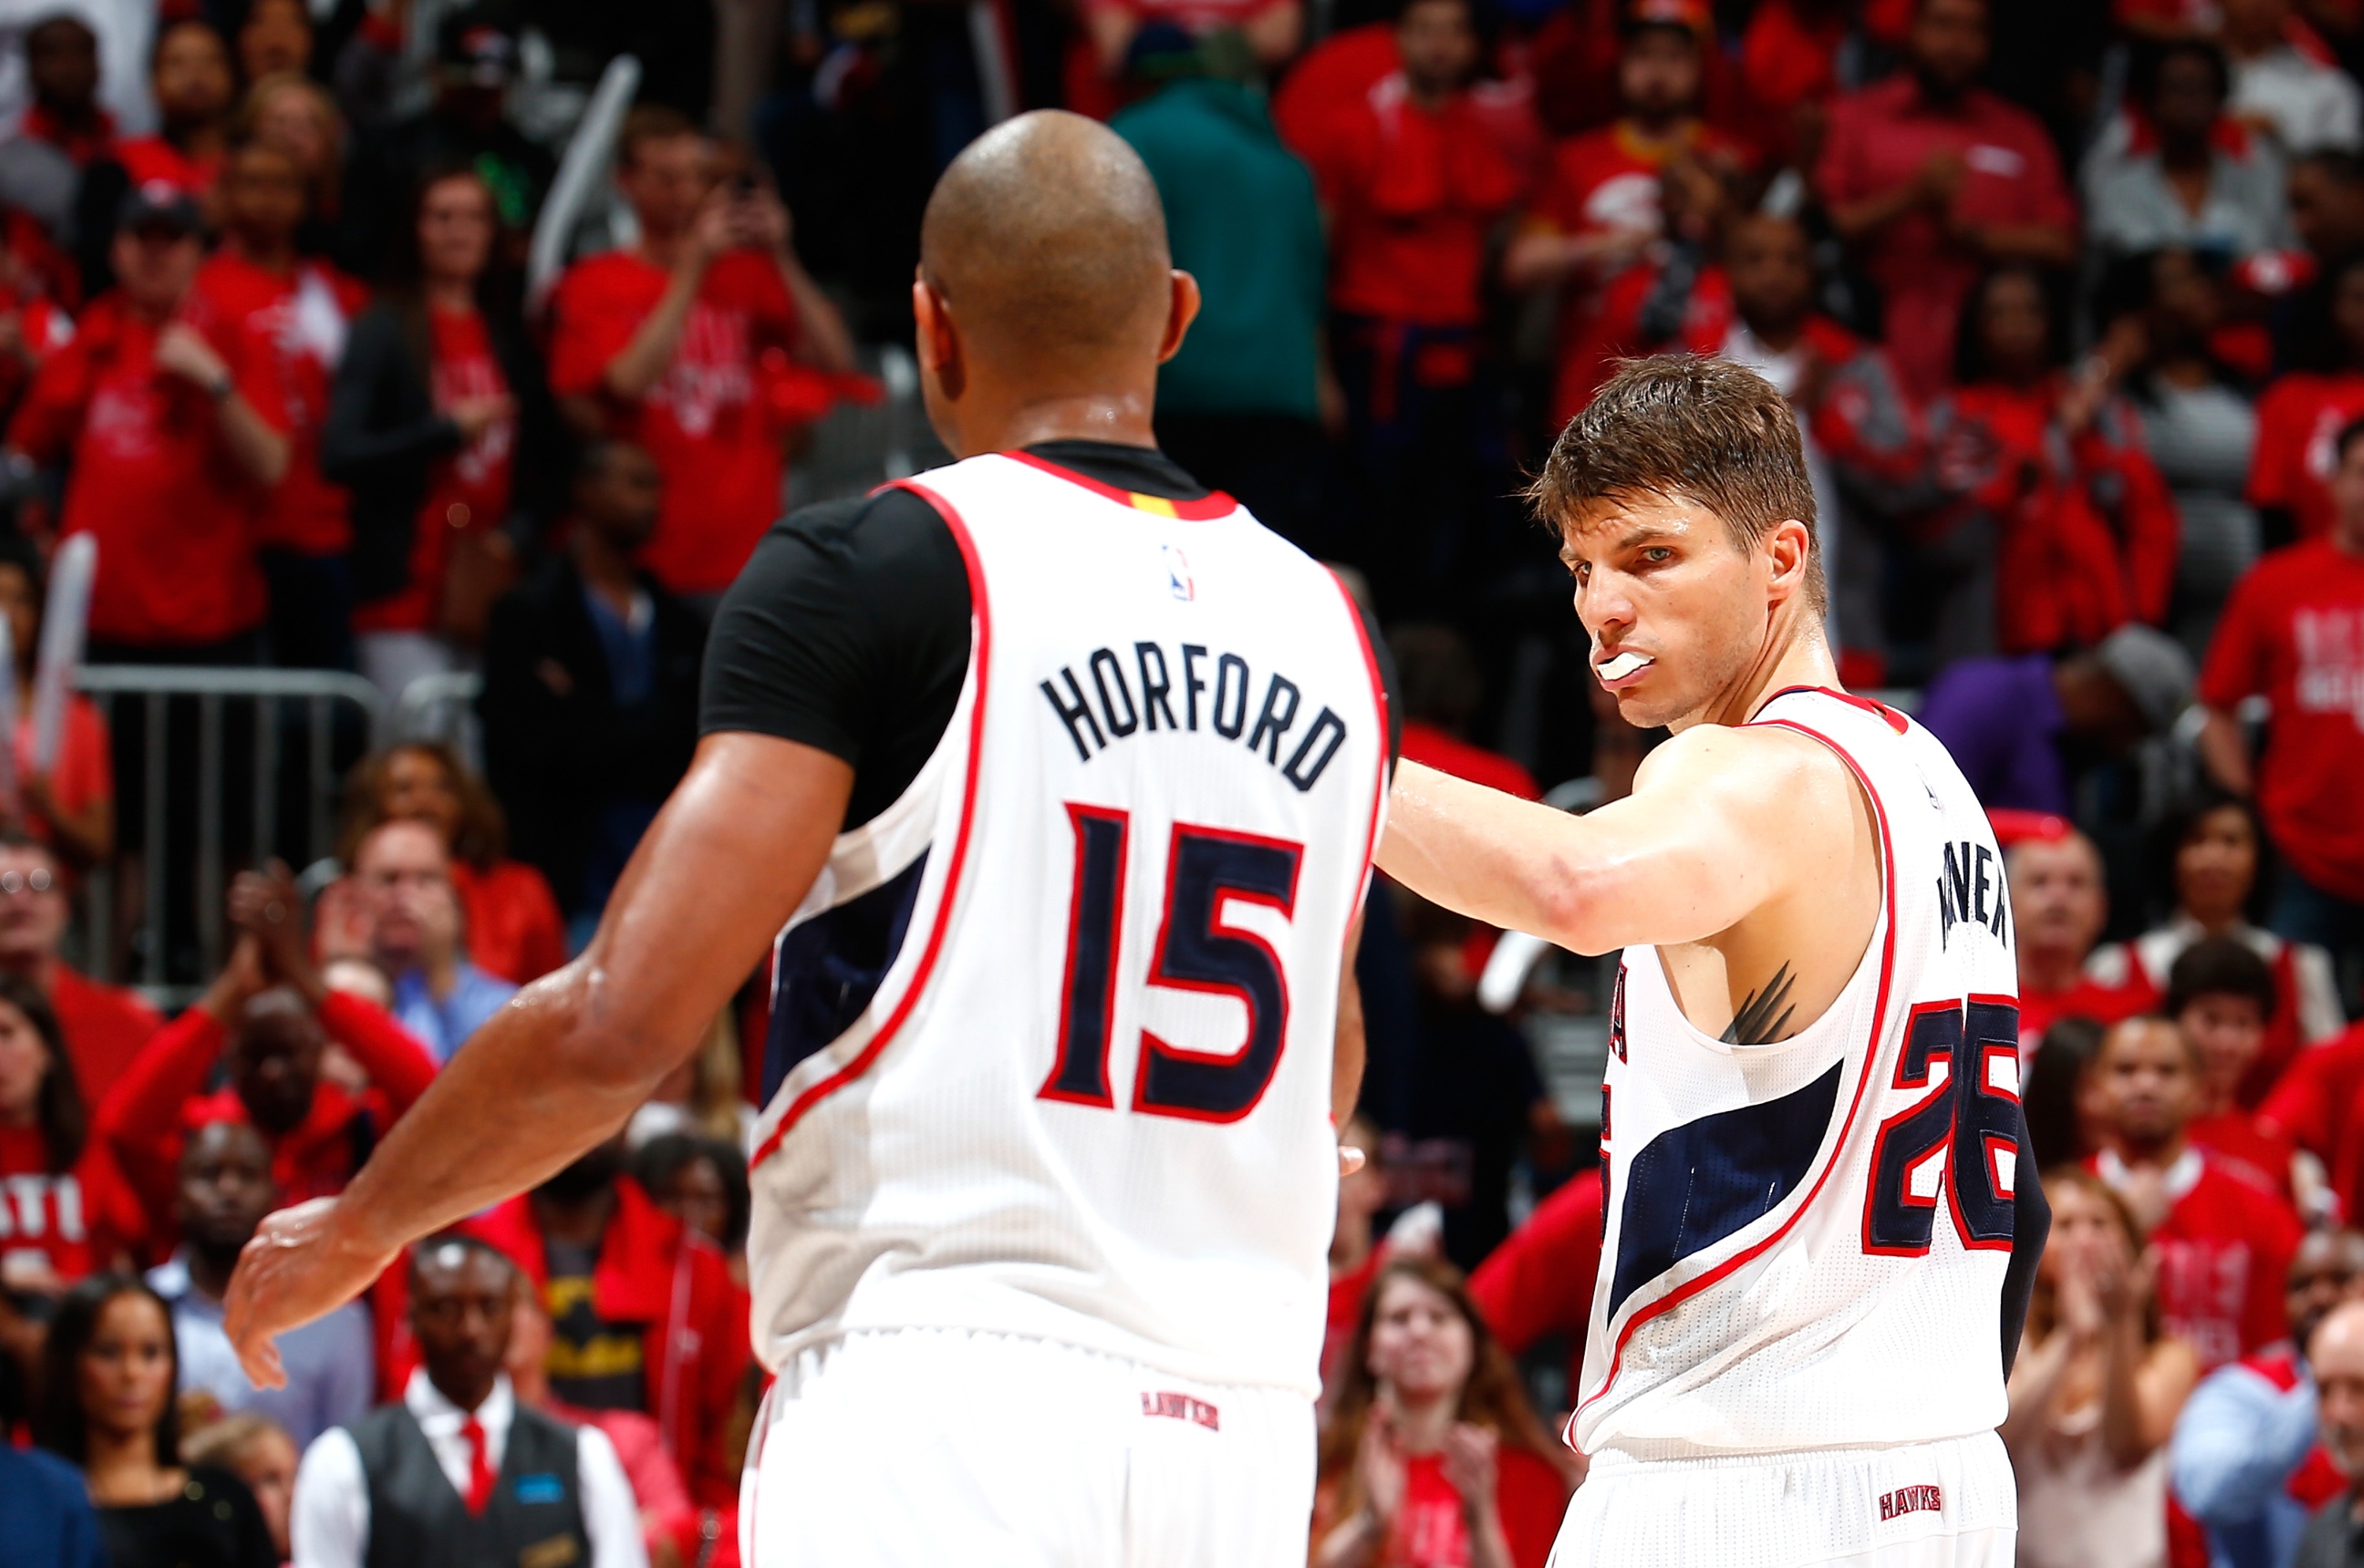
(1722, 820)
(718, 874)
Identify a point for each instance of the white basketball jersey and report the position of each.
(1051, 1036)
(1805, 1241)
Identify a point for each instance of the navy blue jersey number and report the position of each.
(1969, 1123)
(1207, 869)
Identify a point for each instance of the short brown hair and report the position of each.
(1704, 430)
(650, 122)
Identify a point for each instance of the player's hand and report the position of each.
(1469, 1464)
(302, 1265)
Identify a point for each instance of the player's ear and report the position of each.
(1790, 548)
(936, 337)
(1181, 310)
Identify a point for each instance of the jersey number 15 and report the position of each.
(1962, 1140)
(1196, 950)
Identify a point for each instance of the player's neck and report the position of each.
(1119, 415)
(1793, 655)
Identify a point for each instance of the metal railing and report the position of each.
(288, 723)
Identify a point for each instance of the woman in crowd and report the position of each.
(2054, 529)
(2175, 171)
(69, 805)
(2199, 421)
(72, 1212)
(2214, 852)
(437, 423)
(2057, 1099)
(1432, 1457)
(2095, 1392)
(110, 1378)
(514, 930)
(702, 1182)
(258, 1450)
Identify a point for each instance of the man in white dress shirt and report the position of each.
(458, 1473)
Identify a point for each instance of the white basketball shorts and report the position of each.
(1938, 1505)
(920, 1448)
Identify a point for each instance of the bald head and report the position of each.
(2335, 1356)
(1047, 240)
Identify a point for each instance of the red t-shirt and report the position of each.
(2293, 630)
(466, 491)
(2222, 1254)
(2088, 999)
(1414, 197)
(2238, 1139)
(173, 513)
(77, 1220)
(709, 421)
(148, 158)
(2299, 420)
(1448, 753)
(1605, 180)
(105, 1026)
(1429, 1531)
(1877, 140)
(514, 927)
(296, 326)
(1539, 1281)
(2319, 1106)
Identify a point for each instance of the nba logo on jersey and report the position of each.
(1178, 573)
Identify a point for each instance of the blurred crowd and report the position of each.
(2069, 303)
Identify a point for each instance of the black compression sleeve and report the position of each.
(2031, 1223)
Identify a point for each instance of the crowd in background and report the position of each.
(2068, 301)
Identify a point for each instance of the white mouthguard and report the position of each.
(1625, 664)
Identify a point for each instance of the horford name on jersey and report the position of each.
(1195, 685)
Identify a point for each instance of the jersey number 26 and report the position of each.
(1962, 1140)
(1195, 951)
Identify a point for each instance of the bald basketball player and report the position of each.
(1051, 779)
(1821, 1229)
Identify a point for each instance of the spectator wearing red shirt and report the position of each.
(439, 425)
(68, 1212)
(2301, 414)
(2056, 528)
(2293, 632)
(174, 440)
(290, 313)
(1934, 179)
(2222, 1241)
(642, 1312)
(1539, 1281)
(684, 343)
(1413, 176)
(515, 929)
(70, 803)
(1432, 1457)
(267, 1019)
(1795, 59)
(103, 1026)
(2059, 906)
(1622, 205)
(2220, 993)
(195, 88)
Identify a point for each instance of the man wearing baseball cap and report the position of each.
(175, 439)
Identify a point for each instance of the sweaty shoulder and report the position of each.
(848, 632)
(1784, 793)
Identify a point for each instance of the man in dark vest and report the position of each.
(458, 1473)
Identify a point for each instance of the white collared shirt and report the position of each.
(329, 1524)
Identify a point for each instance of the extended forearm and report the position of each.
(644, 359)
(259, 450)
(1480, 853)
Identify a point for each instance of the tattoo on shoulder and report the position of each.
(1764, 1017)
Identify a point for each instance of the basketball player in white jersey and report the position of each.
(1820, 1228)
(1051, 779)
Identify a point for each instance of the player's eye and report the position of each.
(1657, 555)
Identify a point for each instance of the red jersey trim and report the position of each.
(1893, 719)
(815, 1093)
(1689, 1288)
(1214, 504)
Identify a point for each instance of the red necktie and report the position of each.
(480, 1470)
